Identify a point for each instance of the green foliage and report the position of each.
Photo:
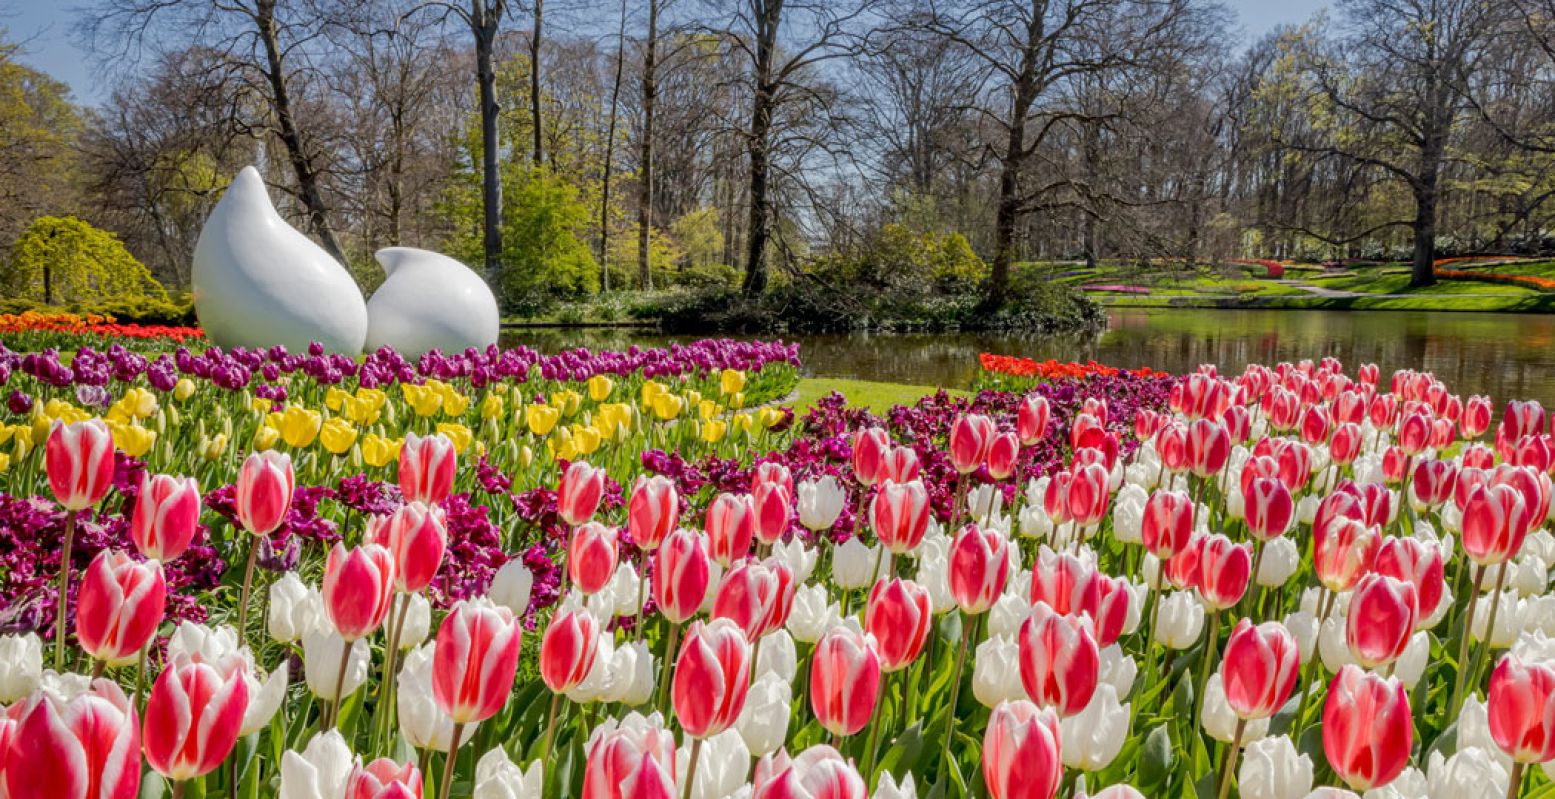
(176, 310)
(700, 236)
(63, 260)
(901, 258)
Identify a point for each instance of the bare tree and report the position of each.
(650, 88)
(610, 153)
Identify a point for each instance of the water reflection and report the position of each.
(1504, 355)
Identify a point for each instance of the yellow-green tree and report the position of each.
(61, 259)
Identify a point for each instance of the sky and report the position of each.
(44, 28)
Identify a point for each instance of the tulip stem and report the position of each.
(340, 683)
(1463, 645)
(1515, 781)
(642, 587)
(691, 770)
(955, 683)
(64, 590)
(550, 728)
(1229, 764)
(1211, 644)
(385, 710)
(178, 789)
(98, 667)
(248, 581)
(140, 675)
(874, 735)
(453, 758)
(1490, 624)
(664, 666)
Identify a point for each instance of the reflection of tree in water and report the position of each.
(1504, 355)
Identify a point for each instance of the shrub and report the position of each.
(61, 259)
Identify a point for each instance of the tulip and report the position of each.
(358, 585)
(78, 459)
(84, 747)
(680, 575)
(901, 465)
(384, 779)
(1059, 660)
(497, 777)
(763, 724)
(1382, 617)
(1209, 447)
(820, 502)
(618, 758)
(1343, 551)
(1273, 769)
(844, 681)
(1167, 526)
(854, 565)
(979, 564)
(731, 524)
(1031, 419)
(426, 467)
(421, 720)
(899, 515)
(193, 716)
(971, 435)
(898, 615)
(166, 516)
(1521, 704)
(1419, 563)
(511, 586)
(476, 659)
(1270, 509)
(1476, 417)
(1088, 494)
(819, 772)
(1260, 668)
(653, 511)
(1021, 755)
(264, 491)
(773, 505)
(591, 557)
(869, 448)
(1493, 518)
(320, 771)
(577, 497)
(1094, 737)
(416, 535)
(21, 669)
(1003, 455)
(1224, 571)
(568, 649)
(756, 596)
(119, 607)
(1367, 728)
(712, 678)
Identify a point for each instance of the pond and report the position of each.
(1508, 356)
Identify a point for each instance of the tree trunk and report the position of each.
(534, 81)
(291, 134)
(486, 22)
(1423, 271)
(645, 178)
(768, 18)
(610, 154)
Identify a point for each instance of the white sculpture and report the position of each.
(429, 301)
(259, 282)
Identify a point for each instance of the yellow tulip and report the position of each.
(378, 451)
(337, 436)
(567, 401)
(374, 397)
(693, 397)
(667, 406)
(134, 440)
(707, 409)
(526, 456)
(183, 389)
(600, 387)
(335, 397)
(454, 403)
(586, 439)
(731, 380)
(6, 431)
(561, 445)
(40, 427)
(424, 400)
(491, 407)
(541, 418)
(361, 411)
(743, 422)
(139, 403)
(769, 416)
(300, 426)
(737, 399)
(457, 433)
(5, 462)
(651, 390)
(713, 430)
(211, 449)
(261, 404)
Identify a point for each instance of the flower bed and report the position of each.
(1275, 269)
(1015, 373)
(36, 330)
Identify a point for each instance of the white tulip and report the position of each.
(1220, 720)
(1534, 645)
(296, 609)
(1279, 562)
(422, 722)
(21, 666)
(889, 788)
(1410, 666)
(1093, 737)
(715, 576)
(497, 777)
(1128, 514)
(1117, 669)
(194, 641)
(1540, 543)
(800, 558)
(1409, 784)
(1332, 644)
(984, 501)
(820, 502)
(625, 591)
(1035, 523)
(721, 767)
(1303, 627)
(1236, 504)
(934, 576)
(511, 587)
(321, 652)
(1509, 619)
(853, 564)
(1272, 769)
(418, 622)
(1539, 614)
(763, 724)
(1180, 621)
(264, 699)
(1008, 613)
(635, 662)
(66, 686)
(320, 771)
(1469, 772)
(812, 614)
(996, 672)
(1136, 606)
(1306, 508)
(1474, 731)
(778, 656)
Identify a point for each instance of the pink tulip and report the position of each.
(900, 465)
(1417, 562)
(119, 607)
(1343, 551)
(1476, 417)
(79, 460)
(680, 575)
(772, 473)
(578, 495)
(1003, 456)
(1182, 569)
(1021, 752)
(416, 535)
(1224, 571)
(384, 779)
(193, 716)
(427, 467)
(1031, 419)
(970, 437)
(1414, 432)
(1167, 526)
(774, 506)
(358, 584)
(591, 557)
(1269, 509)
(1064, 582)
(899, 514)
(653, 511)
(844, 680)
(731, 524)
(1383, 613)
(264, 491)
(475, 659)
(756, 596)
(1055, 498)
(712, 677)
(1383, 411)
(898, 616)
(1434, 482)
(819, 772)
(1088, 494)
(1345, 445)
(87, 747)
(1317, 423)
(1059, 660)
(617, 759)
(1492, 518)
(1521, 705)
(1260, 668)
(869, 447)
(166, 516)
(1209, 447)
(979, 565)
(568, 649)
(1367, 729)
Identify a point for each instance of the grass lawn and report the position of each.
(878, 397)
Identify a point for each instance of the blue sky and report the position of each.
(45, 28)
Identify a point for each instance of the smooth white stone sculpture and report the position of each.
(429, 301)
(259, 282)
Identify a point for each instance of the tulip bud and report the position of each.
(869, 447)
(653, 511)
(119, 607)
(1367, 728)
(1031, 419)
(1224, 571)
(358, 586)
(579, 492)
(475, 660)
(898, 616)
(711, 677)
(21, 668)
(511, 586)
(426, 467)
(1003, 456)
(979, 565)
(731, 524)
(79, 461)
(1167, 526)
(899, 515)
(971, 435)
(1259, 669)
(193, 716)
(591, 557)
(844, 680)
(1269, 508)
(1021, 756)
(774, 507)
(568, 649)
(1382, 616)
(680, 575)
(264, 491)
(820, 502)
(166, 516)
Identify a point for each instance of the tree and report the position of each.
(610, 153)
(61, 260)
(650, 88)
(38, 131)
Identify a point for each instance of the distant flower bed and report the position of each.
(1012, 373)
(1275, 268)
(1116, 288)
(70, 324)
(1525, 281)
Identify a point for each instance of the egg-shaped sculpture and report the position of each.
(259, 282)
(429, 301)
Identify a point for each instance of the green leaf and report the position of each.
(902, 757)
(1156, 759)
